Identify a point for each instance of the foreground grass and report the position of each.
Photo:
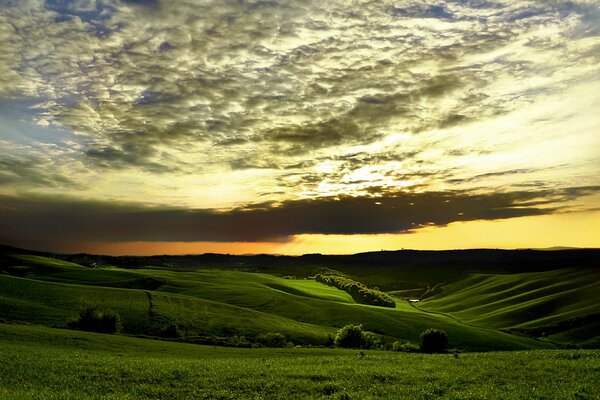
(39, 362)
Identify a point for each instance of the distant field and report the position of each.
(44, 363)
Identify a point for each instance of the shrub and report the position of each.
(353, 337)
(371, 341)
(96, 319)
(171, 331)
(405, 347)
(434, 341)
(238, 341)
(230, 341)
(271, 339)
(330, 340)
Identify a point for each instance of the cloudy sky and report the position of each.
(294, 126)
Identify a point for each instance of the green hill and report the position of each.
(220, 303)
(561, 305)
(143, 312)
(505, 310)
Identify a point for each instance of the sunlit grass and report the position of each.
(38, 362)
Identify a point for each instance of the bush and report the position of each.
(434, 341)
(171, 331)
(238, 341)
(96, 319)
(405, 347)
(271, 339)
(371, 341)
(330, 341)
(229, 341)
(353, 337)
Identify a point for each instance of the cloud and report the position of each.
(147, 3)
(31, 172)
(423, 11)
(488, 175)
(36, 221)
(169, 91)
(130, 154)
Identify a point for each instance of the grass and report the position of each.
(255, 291)
(142, 312)
(551, 300)
(224, 303)
(39, 362)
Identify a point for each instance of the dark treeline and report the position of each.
(359, 292)
(474, 260)
(388, 270)
(490, 260)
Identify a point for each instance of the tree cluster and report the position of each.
(359, 292)
(354, 337)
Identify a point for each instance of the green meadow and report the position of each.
(512, 335)
(560, 305)
(45, 363)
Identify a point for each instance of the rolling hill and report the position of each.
(561, 305)
(503, 310)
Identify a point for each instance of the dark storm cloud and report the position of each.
(36, 221)
(452, 120)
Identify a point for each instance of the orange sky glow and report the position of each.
(569, 230)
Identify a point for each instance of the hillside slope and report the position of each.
(221, 303)
(561, 305)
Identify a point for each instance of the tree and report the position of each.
(434, 341)
(353, 337)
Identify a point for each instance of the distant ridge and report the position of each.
(482, 260)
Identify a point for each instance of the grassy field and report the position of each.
(565, 300)
(531, 314)
(221, 303)
(45, 363)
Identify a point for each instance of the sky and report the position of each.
(298, 126)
